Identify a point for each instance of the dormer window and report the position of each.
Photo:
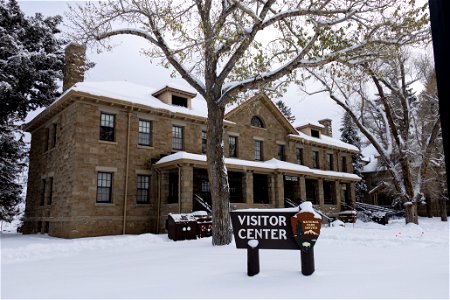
(257, 122)
(315, 133)
(179, 101)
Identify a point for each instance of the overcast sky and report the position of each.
(125, 62)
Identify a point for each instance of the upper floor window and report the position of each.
(344, 164)
(281, 152)
(107, 123)
(258, 150)
(177, 137)
(104, 187)
(232, 145)
(42, 198)
(50, 191)
(145, 133)
(315, 159)
(315, 133)
(299, 155)
(179, 101)
(204, 141)
(330, 161)
(143, 189)
(257, 122)
(54, 131)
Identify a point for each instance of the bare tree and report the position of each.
(403, 128)
(225, 49)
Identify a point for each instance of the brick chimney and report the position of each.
(75, 59)
(328, 129)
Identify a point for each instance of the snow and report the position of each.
(325, 140)
(273, 164)
(307, 207)
(364, 260)
(138, 94)
(253, 243)
(304, 123)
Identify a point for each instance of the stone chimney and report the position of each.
(328, 129)
(75, 60)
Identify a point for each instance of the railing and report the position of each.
(203, 203)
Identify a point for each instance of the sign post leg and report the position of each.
(252, 260)
(307, 261)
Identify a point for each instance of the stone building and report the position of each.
(114, 157)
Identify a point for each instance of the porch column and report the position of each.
(320, 193)
(279, 190)
(186, 189)
(352, 194)
(337, 193)
(302, 186)
(272, 189)
(248, 191)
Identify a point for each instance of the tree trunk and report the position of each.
(411, 213)
(218, 178)
(443, 209)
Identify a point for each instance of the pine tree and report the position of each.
(31, 61)
(349, 135)
(285, 110)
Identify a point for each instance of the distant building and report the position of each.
(114, 157)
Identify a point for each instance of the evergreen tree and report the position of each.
(285, 110)
(349, 135)
(31, 61)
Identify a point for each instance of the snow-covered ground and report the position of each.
(364, 260)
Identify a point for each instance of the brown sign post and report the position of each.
(283, 229)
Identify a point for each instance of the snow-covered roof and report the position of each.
(273, 164)
(176, 87)
(305, 123)
(325, 140)
(137, 94)
(183, 217)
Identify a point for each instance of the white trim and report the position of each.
(143, 172)
(105, 169)
(258, 138)
(232, 133)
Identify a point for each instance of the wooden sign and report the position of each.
(270, 228)
(287, 228)
(306, 229)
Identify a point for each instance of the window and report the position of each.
(205, 186)
(315, 133)
(54, 130)
(177, 138)
(107, 127)
(50, 191)
(299, 155)
(46, 137)
(232, 145)
(258, 150)
(330, 161)
(104, 187)
(42, 199)
(315, 159)
(281, 152)
(143, 189)
(344, 164)
(145, 133)
(256, 122)
(179, 101)
(204, 141)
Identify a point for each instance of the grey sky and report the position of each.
(125, 62)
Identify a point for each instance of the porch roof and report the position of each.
(273, 165)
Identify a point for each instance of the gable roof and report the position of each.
(264, 99)
(120, 92)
